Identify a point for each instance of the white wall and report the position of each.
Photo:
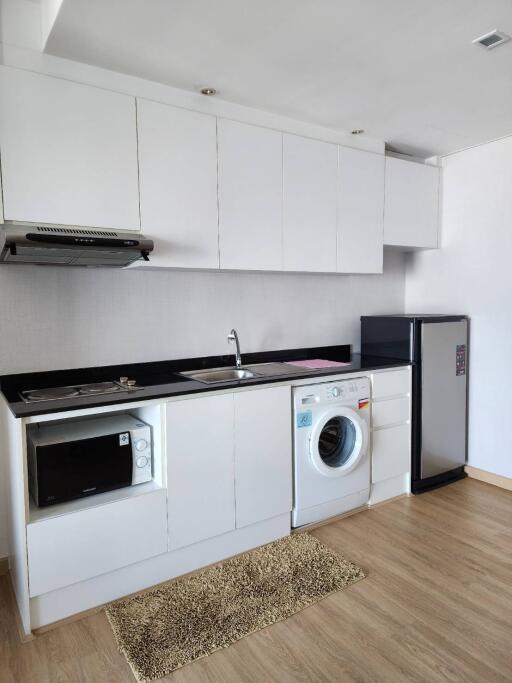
(472, 274)
(64, 317)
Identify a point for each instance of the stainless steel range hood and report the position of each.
(71, 246)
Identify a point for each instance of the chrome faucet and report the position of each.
(233, 337)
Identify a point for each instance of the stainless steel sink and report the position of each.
(216, 375)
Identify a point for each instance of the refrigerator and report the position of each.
(437, 348)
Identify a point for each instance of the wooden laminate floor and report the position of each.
(436, 606)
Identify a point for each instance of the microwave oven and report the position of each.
(73, 459)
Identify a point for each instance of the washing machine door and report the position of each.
(339, 440)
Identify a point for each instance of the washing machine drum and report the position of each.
(338, 442)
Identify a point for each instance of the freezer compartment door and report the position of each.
(443, 397)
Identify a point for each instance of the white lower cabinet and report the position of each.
(391, 411)
(391, 434)
(391, 383)
(263, 454)
(391, 452)
(229, 459)
(200, 469)
(74, 547)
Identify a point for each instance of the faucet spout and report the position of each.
(233, 337)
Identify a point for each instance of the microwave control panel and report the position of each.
(141, 448)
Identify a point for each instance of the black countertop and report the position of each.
(160, 379)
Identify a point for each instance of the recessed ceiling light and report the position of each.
(357, 131)
(491, 39)
(208, 91)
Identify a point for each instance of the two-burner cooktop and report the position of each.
(95, 389)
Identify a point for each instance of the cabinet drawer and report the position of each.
(390, 383)
(79, 545)
(390, 412)
(391, 452)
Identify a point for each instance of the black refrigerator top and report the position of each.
(430, 317)
(398, 336)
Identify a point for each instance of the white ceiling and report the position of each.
(404, 70)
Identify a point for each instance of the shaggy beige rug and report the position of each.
(165, 628)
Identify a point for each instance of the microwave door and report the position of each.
(80, 468)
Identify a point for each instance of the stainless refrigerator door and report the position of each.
(443, 396)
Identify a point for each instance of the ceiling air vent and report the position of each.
(491, 39)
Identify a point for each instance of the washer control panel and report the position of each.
(354, 391)
(345, 389)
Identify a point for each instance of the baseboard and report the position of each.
(68, 620)
(372, 506)
(4, 565)
(329, 520)
(489, 477)
(337, 518)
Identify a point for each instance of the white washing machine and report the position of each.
(331, 449)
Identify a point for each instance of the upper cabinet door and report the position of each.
(309, 204)
(360, 211)
(69, 152)
(178, 184)
(250, 197)
(411, 211)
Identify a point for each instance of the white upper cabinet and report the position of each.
(360, 211)
(411, 211)
(309, 204)
(178, 185)
(212, 193)
(69, 152)
(250, 196)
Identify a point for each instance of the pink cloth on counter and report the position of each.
(316, 363)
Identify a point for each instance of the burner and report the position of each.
(99, 388)
(48, 394)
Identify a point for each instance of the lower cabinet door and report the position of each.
(263, 454)
(77, 546)
(200, 474)
(391, 452)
